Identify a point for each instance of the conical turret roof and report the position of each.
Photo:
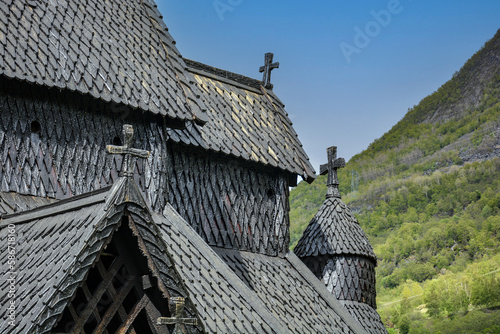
(334, 230)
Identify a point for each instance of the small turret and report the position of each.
(336, 248)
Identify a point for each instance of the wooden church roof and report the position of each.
(245, 120)
(334, 231)
(121, 52)
(117, 51)
(225, 293)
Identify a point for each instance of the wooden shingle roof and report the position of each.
(120, 52)
(53, 253)
(11, 202)
(334, 231)
(59, 243)
(291, 292)
(245, 120)
(117, 51)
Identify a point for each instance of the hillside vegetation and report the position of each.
(427, 194)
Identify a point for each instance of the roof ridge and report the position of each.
(164, 37)
(228, 274)
(221, 73)
(65, 205)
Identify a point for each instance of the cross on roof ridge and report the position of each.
(176, 305)
(331, 168)
(267, 68)
(127, 169)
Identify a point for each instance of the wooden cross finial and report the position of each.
(127, 150)
(177, 308)
(267, 68)
(331, 168)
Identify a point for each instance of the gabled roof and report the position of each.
(291, 292)
(224, 303)
(114, 50)
(246, 120)
(58, 243)
(334, 231)
(121, 52)
(53, 251)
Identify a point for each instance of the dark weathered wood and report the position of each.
(177, 321)
(267, 68)
(348, 277)
(117, 303)
(146, 282)
(152, 267)
(331, 168)
(71, 158)
(88, 295)
(96, 297)
(153, 314)
(223, 76)
(112, 292)
(111, 56)
(177, 308)
(133, 314)
(335, 247)
(127, 151)
(230, 204)
(72, 311)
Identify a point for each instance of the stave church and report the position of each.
(144, 192)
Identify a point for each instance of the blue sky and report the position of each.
(349, 70)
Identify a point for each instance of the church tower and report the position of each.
(336, 248)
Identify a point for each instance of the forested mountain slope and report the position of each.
(427, 193)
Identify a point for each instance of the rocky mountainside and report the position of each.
(470, 83)
(427, 193)
(459, 117)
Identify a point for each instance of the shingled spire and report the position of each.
(338, 252)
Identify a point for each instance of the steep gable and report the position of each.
(91, 260)
(105, 261)
(49, 243)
